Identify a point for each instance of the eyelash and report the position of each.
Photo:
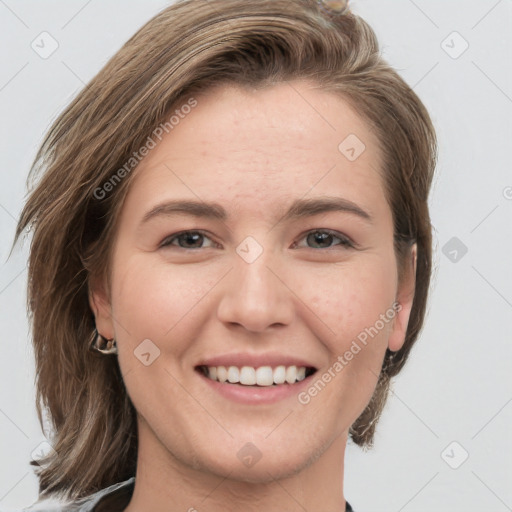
(345, 242)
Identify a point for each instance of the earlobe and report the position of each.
(405, 298)
(100, 305)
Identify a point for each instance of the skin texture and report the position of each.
(253, 152)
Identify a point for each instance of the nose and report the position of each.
(256, 295)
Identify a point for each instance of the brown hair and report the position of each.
(187, 48)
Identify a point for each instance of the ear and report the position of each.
(99, 302)
(405, 297)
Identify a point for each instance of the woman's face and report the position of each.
(265, 278)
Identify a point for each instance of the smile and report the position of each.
(261, 376)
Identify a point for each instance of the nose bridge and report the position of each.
(255, 295)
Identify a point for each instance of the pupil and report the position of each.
(321, 237)
(189, 238)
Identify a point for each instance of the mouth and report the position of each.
(262, 376)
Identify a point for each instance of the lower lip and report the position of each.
(253, 395)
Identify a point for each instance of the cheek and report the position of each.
(160, 302)
(352, 303)
(351, 298)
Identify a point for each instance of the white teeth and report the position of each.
(248, 376)
(233, 374)
(291, 374)
(222, 373)
(280, 375)
(262, 376)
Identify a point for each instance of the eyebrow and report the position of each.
(300, 208)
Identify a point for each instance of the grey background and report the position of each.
(457, 385)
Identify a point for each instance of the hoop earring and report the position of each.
(102, 345)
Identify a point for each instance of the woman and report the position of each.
(230, 260)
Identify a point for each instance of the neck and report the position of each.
(162, 481)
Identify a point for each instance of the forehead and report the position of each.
(254, 145)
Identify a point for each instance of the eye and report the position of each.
(186, 240)
(324, 238)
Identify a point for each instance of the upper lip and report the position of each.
(255, 360)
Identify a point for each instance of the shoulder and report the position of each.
(85, 504)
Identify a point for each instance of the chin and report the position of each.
(249, 464)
